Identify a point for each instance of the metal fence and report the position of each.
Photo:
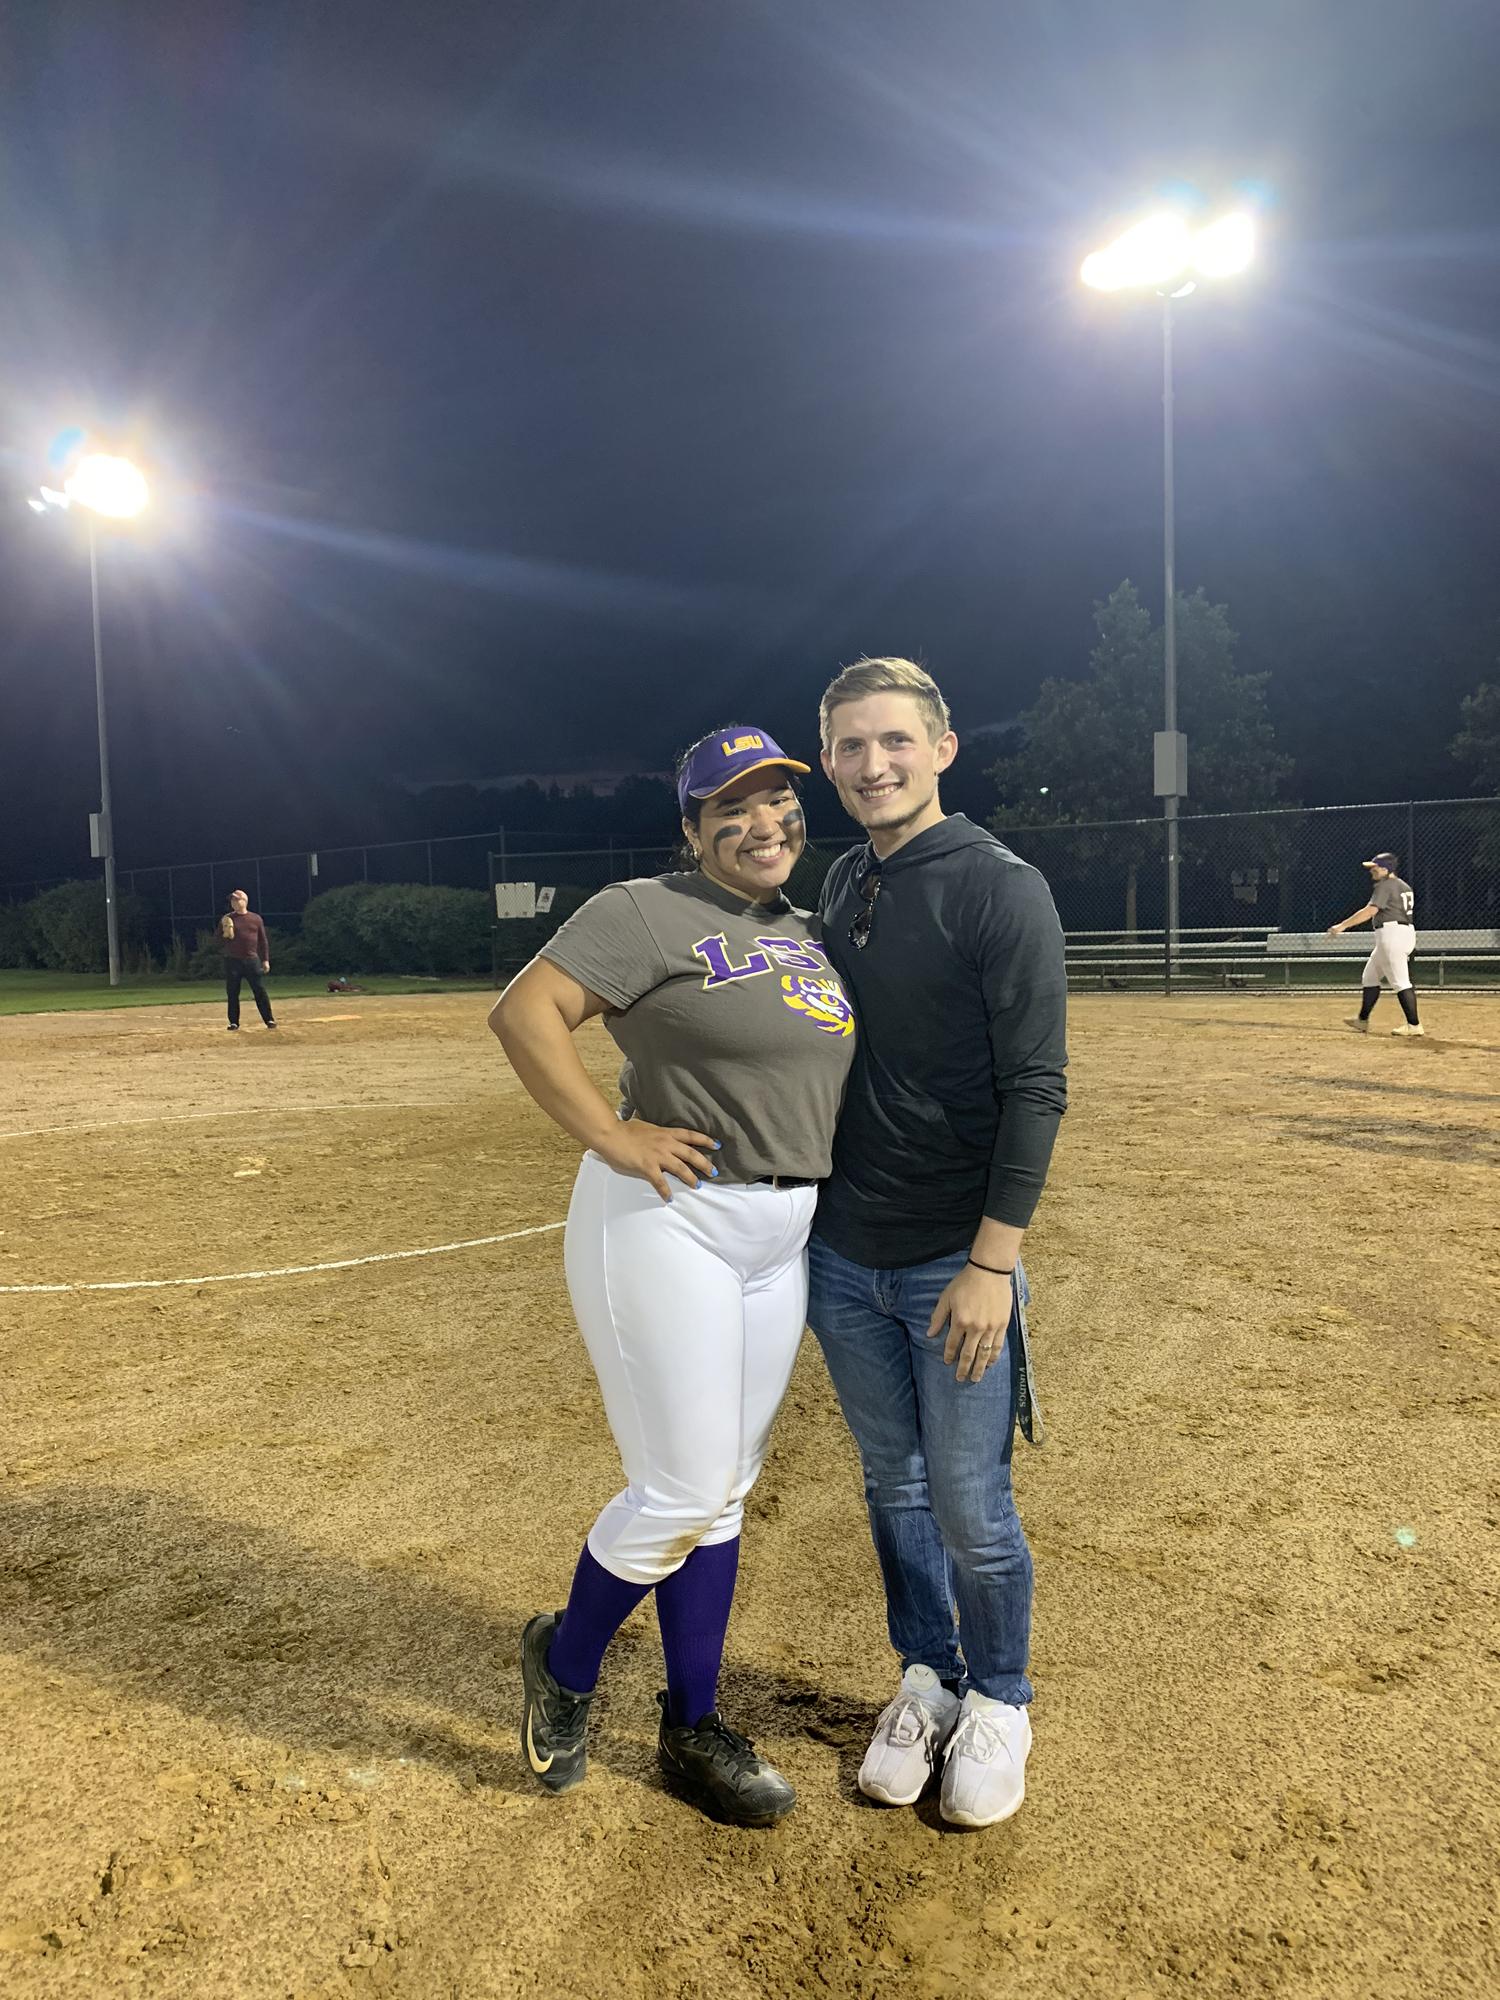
(178, 898)
(590, 868)
(1257, 889)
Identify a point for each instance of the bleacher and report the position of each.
(1232, 957)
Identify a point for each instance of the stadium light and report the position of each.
(112, 489)
(1165, 249)
(109, 486)
(1166, 254)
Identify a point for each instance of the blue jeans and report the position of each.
(936, 1456)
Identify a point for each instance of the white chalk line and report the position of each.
(241, 1111)
(290, 1270)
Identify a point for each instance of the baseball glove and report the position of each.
(226, 927)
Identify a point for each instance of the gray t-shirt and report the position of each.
(1393, 900)
(727, 1013)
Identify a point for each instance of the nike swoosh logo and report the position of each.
(538, 1764)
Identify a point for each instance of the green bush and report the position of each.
(290, 955)
(16, 953)
(397, 927)
(66, 928)
(332, 932)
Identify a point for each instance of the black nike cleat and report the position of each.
(553, 1718)
(717, 1769)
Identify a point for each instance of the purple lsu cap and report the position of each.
(729, 754)
(1380, 861)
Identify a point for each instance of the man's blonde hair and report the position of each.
(885, 676)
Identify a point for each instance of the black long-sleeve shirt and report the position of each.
(957, 1088)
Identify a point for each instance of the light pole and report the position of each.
(1166, 255)
(114, 489)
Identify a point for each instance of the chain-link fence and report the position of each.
(176, 901)
(592, 867)
(1258, 890)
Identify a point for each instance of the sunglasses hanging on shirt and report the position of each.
(869, 887)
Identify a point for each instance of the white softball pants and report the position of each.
(1394, 945)
(692, 1311)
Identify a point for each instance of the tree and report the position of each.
(1477, 745)
(1477, 748)
(1087, 758)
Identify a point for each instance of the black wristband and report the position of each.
(995, 1270)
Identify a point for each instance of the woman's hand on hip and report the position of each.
(651, 1152)
(975, 1307)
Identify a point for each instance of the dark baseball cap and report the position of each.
(726, 755)
(1380, 861)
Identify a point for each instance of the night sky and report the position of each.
(531, 387)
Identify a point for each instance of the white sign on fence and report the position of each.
(515, 899)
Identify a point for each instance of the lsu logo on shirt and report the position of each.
(820, 1000)
(809, 988)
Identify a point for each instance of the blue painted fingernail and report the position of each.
(718, 1145)
(713, 1173)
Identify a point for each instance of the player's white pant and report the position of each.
(1394, 945)
(692, 1311)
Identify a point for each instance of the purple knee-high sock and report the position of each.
(598, 1605)
(692, 1608)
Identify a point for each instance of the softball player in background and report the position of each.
(1391, 907)
(686, 1238)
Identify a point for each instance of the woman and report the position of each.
(686, 1240)
(1391, 906)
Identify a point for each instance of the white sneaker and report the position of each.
(984, 1772)
(1410, 1029)
(908, 1739)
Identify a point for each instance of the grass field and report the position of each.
(62, 992)
(297, 1433)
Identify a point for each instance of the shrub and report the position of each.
(206, 960)
(331, 931)
(15, 937)
(397, 927)
(289, 955)
(67, 930)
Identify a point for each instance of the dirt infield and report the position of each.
(267, 1545)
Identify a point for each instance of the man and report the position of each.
(247, 955)
(950, 947)
(1392, 905)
